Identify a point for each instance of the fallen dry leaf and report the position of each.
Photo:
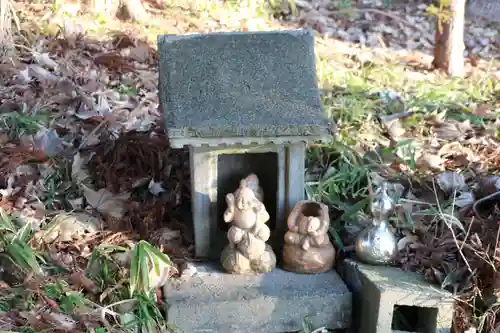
(60, 321)
(23, 77)
(464, 199)
(41, 74)
(482, 110)
(44, 60)
(113, 61)
(53, 304)
(140, 53)
(451, 182)
(155, 188)
(68, 226)
(455, 150)
(428, 161)
(78, 172)
(79, 279)
(106, 202)
(409, 239)
(49, 142)
(76, 203)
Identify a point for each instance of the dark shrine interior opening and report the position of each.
(231, 168)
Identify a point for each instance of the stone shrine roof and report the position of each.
(230, 88)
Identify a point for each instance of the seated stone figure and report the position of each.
(307, 246)
(247, 251)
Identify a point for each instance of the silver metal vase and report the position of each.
(377, 244)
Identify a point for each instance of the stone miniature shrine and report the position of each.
(246, 105)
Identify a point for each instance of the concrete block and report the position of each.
(275, 302)
(382, 294)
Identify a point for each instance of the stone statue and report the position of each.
(247, 251)
(307, 246)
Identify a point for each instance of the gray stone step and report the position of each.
(275, 302)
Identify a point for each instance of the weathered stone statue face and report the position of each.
(246, 199)
(247, 251)
(313, 224)
(243, 208)
(307, 224)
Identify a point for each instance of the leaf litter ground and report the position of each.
(85, 163)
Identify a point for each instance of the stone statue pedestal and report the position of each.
(212, 300)
(235, 262)
(315, 260)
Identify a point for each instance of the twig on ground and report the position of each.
(94, 131)
(467, 234)
(450, 227)
(496, 246)
(482, 200)
(394, 116)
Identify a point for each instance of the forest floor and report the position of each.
(92, 194)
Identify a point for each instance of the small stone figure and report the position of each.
(307, 246)
(247, 251)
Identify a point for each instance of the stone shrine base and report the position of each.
(217, 302)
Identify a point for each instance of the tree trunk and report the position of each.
(133, 9)
(449, 41)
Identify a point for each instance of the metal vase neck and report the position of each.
(382, 204)
(381, 224)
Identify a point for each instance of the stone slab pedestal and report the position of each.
(275, 302)
(382, 294)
